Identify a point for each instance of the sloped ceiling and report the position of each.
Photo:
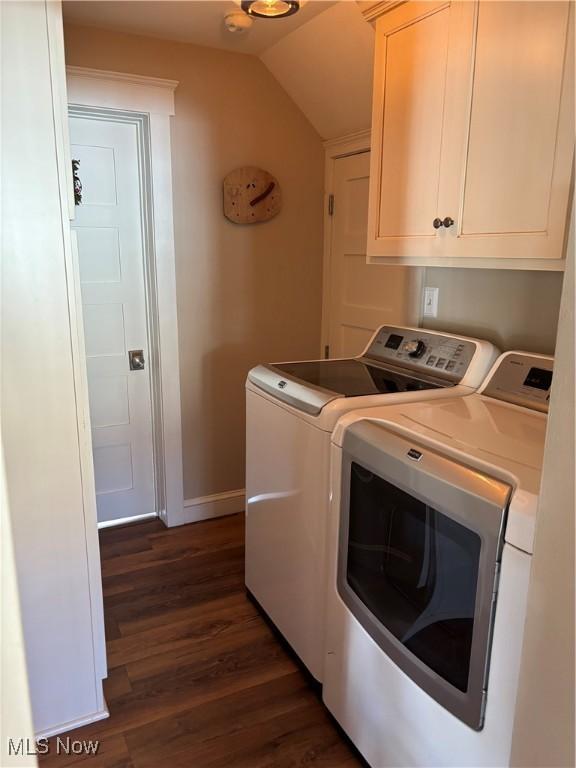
(200, 22)
(322, 56)
(326, 67)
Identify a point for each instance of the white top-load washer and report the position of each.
(430, 541)
(292, 409)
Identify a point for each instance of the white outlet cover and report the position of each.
(430, 302)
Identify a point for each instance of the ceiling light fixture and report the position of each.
(270, 9)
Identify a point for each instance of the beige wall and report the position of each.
(511, 308)
(245, 294)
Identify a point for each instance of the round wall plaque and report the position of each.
(251, 195)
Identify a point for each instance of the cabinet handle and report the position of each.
(447, 222)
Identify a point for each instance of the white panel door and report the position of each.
(361, 296)
(108, 224)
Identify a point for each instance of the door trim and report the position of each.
(148, 104)
(334, 149)
(120, 90)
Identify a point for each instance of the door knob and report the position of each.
(448, 222)
(437, 223)
(136, 359)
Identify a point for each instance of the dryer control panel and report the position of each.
(522, 379)
(418, 349)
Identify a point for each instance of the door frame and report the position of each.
(148, 103)
(334, 149)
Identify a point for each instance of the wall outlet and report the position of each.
(430, 302)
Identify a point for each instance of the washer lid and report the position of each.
(311, 384)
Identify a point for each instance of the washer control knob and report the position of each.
(418, 349)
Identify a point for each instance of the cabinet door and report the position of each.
(417, 77)
(473, 122)
(512, 199)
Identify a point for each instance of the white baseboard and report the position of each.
(72, 724)
(215, 505)
(126, 520)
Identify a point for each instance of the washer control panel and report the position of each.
(435, 353)
(522, 379)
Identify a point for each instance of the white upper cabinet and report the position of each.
(472, 134)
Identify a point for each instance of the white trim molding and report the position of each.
(148, 102)
(73, 724)
(347, 145)
(127, 520)
(372, 10)
(215, 505)
(119, 90)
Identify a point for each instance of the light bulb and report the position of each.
(270, 9)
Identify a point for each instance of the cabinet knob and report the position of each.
(447, 222)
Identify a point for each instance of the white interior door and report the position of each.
(361, 296)
(108, 224)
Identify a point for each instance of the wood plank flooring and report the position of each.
(197, 679)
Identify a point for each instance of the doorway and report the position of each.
(113, 251)
(147, 105)
(358, 297)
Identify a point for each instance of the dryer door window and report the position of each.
(416, 570)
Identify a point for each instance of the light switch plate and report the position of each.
(430, 302)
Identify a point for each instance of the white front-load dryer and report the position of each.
(431, 531)
(291, 410)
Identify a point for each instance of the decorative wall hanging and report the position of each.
(251, 195)
(77, 182)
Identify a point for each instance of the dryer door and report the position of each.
(419, 552)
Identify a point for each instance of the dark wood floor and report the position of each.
(196, 677)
